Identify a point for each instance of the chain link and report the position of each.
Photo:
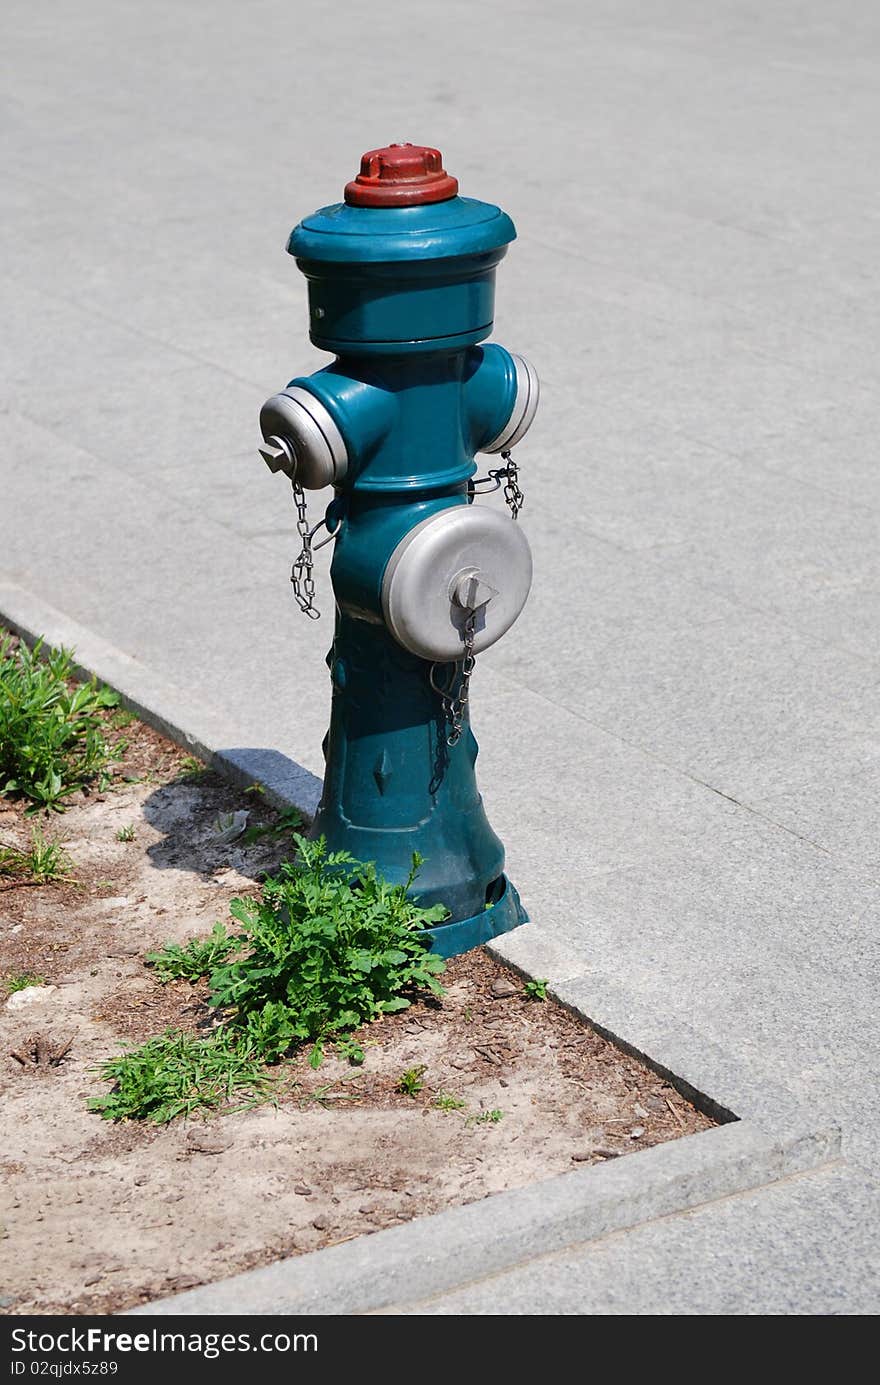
(302, 572)
(509, 476)
(512, 493)
(455, 704)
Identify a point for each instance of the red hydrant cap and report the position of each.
(401, 175)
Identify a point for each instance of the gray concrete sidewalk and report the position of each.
(680, 739)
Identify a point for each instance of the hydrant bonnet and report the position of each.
(401, 275)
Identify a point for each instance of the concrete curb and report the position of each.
(431, 1255)
(407, 1264)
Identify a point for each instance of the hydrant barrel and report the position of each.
(401, 280)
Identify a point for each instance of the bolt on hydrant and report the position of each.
(401, 280)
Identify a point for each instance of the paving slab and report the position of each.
(679, 739)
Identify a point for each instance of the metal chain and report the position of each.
(455, 705)
(509, 475)
(302, 572)
(512, 493)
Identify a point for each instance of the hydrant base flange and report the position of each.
(506, 913)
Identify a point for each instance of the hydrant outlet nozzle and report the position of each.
(278, 454)
(295, 424)
(525, 406)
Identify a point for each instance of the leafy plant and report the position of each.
(44, 862)
(445, 1101)
(410, 1082)
(536, 988)
(126, 834)
(488, 1117)
(195, 959)
(21, 982)
(330, 946)
(350, 1049)
(53, 738)
(178, 1073)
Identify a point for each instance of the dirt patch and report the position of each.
(98, 1217)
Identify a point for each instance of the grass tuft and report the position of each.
(195, 959)
(53, 738)
(21, 982)
(178, 1074)
(446, 1101)
(44, 862)
(191, 770)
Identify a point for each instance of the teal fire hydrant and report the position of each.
(401, 280)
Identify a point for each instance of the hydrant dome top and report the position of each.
(401, 175)
(343, 233)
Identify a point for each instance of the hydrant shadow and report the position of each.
(204, 817)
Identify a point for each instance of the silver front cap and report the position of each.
(466, 547)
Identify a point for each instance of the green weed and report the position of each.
(327, 947)
(195, 959)
(536, 988)
(126, 834)
(177, 1074)
(350, 1049)
(21, 983)
(53, 738)
(488, 1117)
(410, 1082)
(323, 1096)
(191, 769)
(44, 862)
(330, 946)
(445, 1101)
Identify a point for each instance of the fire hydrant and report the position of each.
(401, 281)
